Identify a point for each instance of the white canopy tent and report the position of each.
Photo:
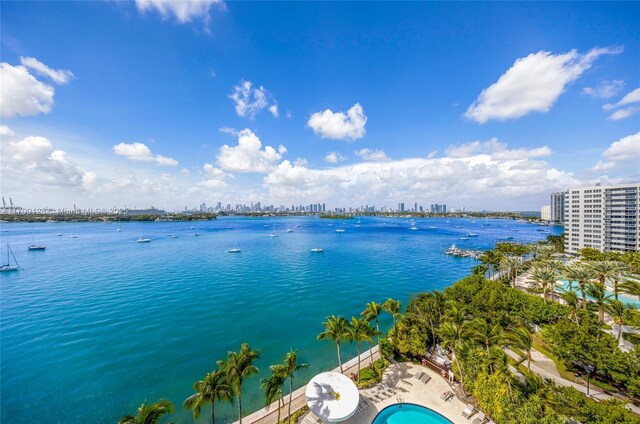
(332, 397)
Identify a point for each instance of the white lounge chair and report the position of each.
(468, 411)
(480, 419)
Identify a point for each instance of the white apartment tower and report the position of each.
(557, 207)
(545, 213)
(604, 218)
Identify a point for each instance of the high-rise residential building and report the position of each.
(400, 207)
(557, 207)
(603, 218)
(545, 213)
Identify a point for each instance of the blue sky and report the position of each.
(483, 105)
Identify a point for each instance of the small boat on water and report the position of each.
(196, 234)
(73, 236)
(234, 250)
(59, 234)
(413, 227)
(8, 267)
(143, 240)
(173, 236)
(472, 235)
(33, 247)
(275, 233)
(317, 250)
(508, 238)
(340, 230)
(192, 227)
(464, 238)
(298, 226)
(289, 230)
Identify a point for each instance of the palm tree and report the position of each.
(291, 365)
(631, 287)
(336, 329)
(583, 275)
(428, 307)
(237, 367)
(359, 332)
(213, 387)
(511, 264)
(392, 307)
(608, 270)
(598, 292)
(455, 313)
(522, 338)
(451, 335)
(616, 310)
(148, 414)
(491, 259)
(273, 386)
(571, 300)
(545, 277)
(372, 312)
(483, 332)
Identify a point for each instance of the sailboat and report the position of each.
(8, 267)
(143, 240)
(118, 229)
(275, 233)
(33, 246)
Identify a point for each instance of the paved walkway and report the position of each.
(545, 368)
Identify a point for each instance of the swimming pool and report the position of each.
(409, 413)
(622, 297)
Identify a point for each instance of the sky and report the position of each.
(175, 103)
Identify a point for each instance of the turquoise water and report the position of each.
(409, 414)
(94, 325)
(621, 297)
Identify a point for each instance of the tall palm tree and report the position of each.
(616, 310)
(598, 292)
(291, 365)
(608, 270)
(392, 307)
(583, 275)
(148, 414)
(571, 300)
(213, 387)
(483, 332)
(511, 264)
(630, 286)
(336, 329)
(359, 332)
(451, 335)
(372, 312)
(545, 277)
(455, 313)
(491, 259)
(428, 308)
(522, 338)
(237, 367)
(273, 386)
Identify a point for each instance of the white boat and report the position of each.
(464, 238)
(340, 230)
(192, 227)
(33, 246)
(508, 238)
(413, 228)
(173, 236)
(472, 235)
(196, 234)
(118, 229)
(59, 234)
(317, 250)
(234, 250)
(73, 236)
(289, 230)
(275, 233)
(143, 240)
(8, 267)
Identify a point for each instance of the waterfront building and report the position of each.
(557, 206)
(545, 213)
(605, 218)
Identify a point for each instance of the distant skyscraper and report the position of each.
(400, 207)
(545, 213)
(557, 207)
(603, 218)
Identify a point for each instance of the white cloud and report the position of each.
(301, 162)
(228, 130)
(605, 89)
(532, 84)
(371, 155)
(249, 100)
(5, 131)
(141, 153)
(334, 157)
(338, 125)
(21, 94)
(33, 162)
(629, 99)
(248, 155)
(496, 149)
(182, 10)
(627, 148)
(470, 179)
(59, 76)
(603, 166)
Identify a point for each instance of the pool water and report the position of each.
(626, 299)
(408, 413)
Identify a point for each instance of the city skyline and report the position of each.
(344, 103)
